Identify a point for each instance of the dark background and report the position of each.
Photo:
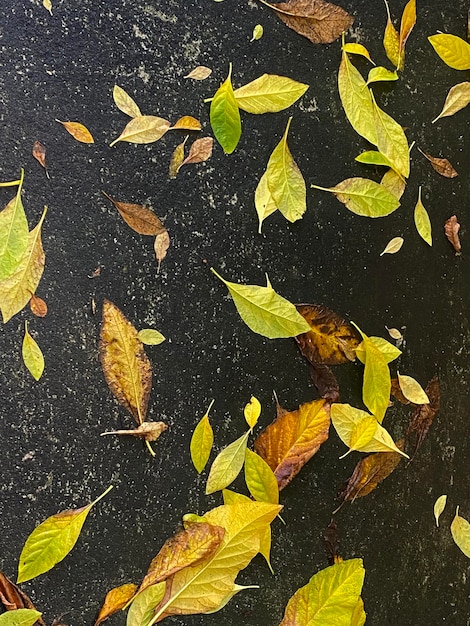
(53, 458)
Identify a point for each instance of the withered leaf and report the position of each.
(200, 150)
(115, 600)
(177, 159)
(161, 245)
(78, 131)
(138, 217)
(325, 381)
(424, 414)
(452, 228)
(38, 306)
(293, 438)
(187, 122)
(13, 598)
(331, 339)
(317, 20)
(149, 431)
(442, 166)
(39, 153)
(201, 72)
(143, 129)
(331, 539)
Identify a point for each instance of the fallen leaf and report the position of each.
(460, 530)
(331, 539)
(424, 414)
(457, 99)
(227, 465)
(161, 245)
(142, 608)
(391, 140)
(325, 381)
(95, 273)
(177, 159)
(260, 479)
(252, 411)
(453, 50)
(148, 431)
(201, 72)
(357, 48)
(391, 41)
(393, 246)
(47, 4)
(125, 103)
(373, 157)
(32, 355)
(202, 441)
(412, 390)
(293, 438)
(150, 337)
(408, 21)
(264, 311)
(257, 33)
(78, 131)
(451, 228)
(380, 74)
(330, 596)
(20, 617)
(364, 197)
(143, 129)
(442, 166)
(115, 600)
(141, 219)
(199, 151)
(225, 116)
(38, 306)
(12, 597)
(317, 20)
(388, 350)
(395, 183)
(439, 507)
(264, 202)
(422, 221)
(329, 340)
(187, 122)
(13, 234)
(39, 153)
(52, 540)
(269, 93)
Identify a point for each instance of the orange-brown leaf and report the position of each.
(317, 20)
(162, 243)
(293, 438)
(424, 414)
(115, 600)
(38, 306)
(187, 122)
(331, 341)
(200, 150)
(13, 598)
(138, 217)
(78, 131)
(442, 166)
(39, 153)
(452, 228)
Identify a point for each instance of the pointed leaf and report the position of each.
(143, 129)
(177, 159)
(439, 507)
(252, 412)
(264, 202)
(357, 48)
(225, 116)
(391, 42)
(388, 350)
(20, 617)
(391, 140)
(13, 234)
(141, 611)
(453, 50)
(39, 153)
(460, 530)
(364, 197)
(412, 390)
(260, 479)
(200, 151)
(408, 21)
(161, 245)
(442, 166)
(125, 103)
(115, 600)
(373, 157)
(269, 93)
(227, 465)
(32, 355)
(150, 337)
(422, 221)
(393, 182)
(393, 246)
(78, 131)
(201, 72)
(202, 441)
(141, 219)
(379, 74)
(457, 99)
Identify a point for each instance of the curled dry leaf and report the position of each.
(143, 129)
(424, 414)
(141, 219)
(39, 153)
(149, 431)
(442, 166)
(187, 122)
(293, 438)
(201, 72)
(317, 20)
(200, 150)
(161, 245)
(325, 381)
(13, 598)
(439, 507)
(451, 228)
(78, 131)
(38, 306)
(115, 600)
(393, 246)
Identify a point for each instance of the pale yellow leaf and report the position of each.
(264, 202)
(457, 99)
(32, 355)
(201, 72)
(47, 4)
(439, 507)
(393, 246)
(125, 103)
(143, 129)
(412, 390)
(422, 221)
(460, 530)
(252, 412)
(202, 441)
(269, 93)
(257, 32)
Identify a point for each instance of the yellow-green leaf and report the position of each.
(439, 507)
(393, 246)
(125, 103)
(177, 159)
(227, 465)
(257, 33)
(150, 337)
(391, 42)
(252, 412)
(395, 183)
(225, 116)
(285, 181)
(18, 287)
(264, 202)
(264, 311)
(378, 74)
(20, 617)
(422, 221)
(32, 355)
(260, 479)
(143, 129)
(13, 234)
(391, 140)
(389, 351)
(51, 541)
(141, 611)
(269, 93)
(457, 99)
(412, 390)
(454, 51)
(330, 597)
(202, 441)
(373, 157)
(364, 197)
(357, 48)
(460, 530)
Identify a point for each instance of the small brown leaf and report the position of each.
(452, 228)
(162, 243)
(325, 381)
(95, 273)
(177, 159)
(115, 600)
(149, 431)
(201, 72)
(200, 151)
(317, 20)
(13, 598)
(293, 438)
(138, 217)
(38, 306)
(331, 539)
(187, 122)
(424, 414)
(442, 166)
(78, 131)
(39, 153)
(331, 340)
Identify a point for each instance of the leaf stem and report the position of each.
(218, 275)
(321, 188)
(11, 183)
(151, 450)
(105, 493)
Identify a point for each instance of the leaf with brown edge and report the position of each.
(38, 306)
(200, 151)
(149, 431)
(424, 415)
(177, 159)
(195, 543)
(331, 339)
(293, 438)
(451, 228)
(325, 381)
(115, 600)
(141, 219)
(13, 598)
(39, 153)
(78, 131)
(161, 245)
(442, 166)
(201, 72)
(317, 20)
(187, 122)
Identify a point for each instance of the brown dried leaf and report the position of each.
(442, 166)
(177, 159)
(39, 153)
(200, 151)
(187, 122)
(325, 381)
(293, 438)
(78, 131)
(331, 341)
(115, 600)
(201, 72)
(149, 431)
(138, 217)
(331, 539)
(12, 597)
(424, 414)
(38, 306)
(317, 20)
(452, 228)
(162, 243)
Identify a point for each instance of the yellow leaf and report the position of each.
(47, 4)
(116, 599)
(395, 183)
(408, 21)
(439, 507)
(422, 221)
(359, 616)
(264, 202)
(457, 99)
(78, 131)
(257, 33)
(388, 350)
(391, 140)
(201, 72)
(202, 441)
(453, 50)
(260, 479)
(141, 611)
(391, 42)
(143, 129)
(21, 617)
(227, 465)
(460, 530)
(13, 234)
(394, 333)
(393, 246)
(364, 197)
(412, 390)
(32, 355)
(357, 48)
(269, 93)
(378, 74)
(373, 157)
(252, 412)
(150, 337)
(177, 159)
(187, 122)
(125, 103)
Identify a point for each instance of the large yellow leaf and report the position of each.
(269, 94)
(13, 234)
(143, 129)
(453, 50)
(364, 197)
(391, 140)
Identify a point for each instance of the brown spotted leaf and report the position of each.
(442, 166)
(161, 245)
(78, 131)
(13, 598)
(141, 219)
(177, 159)
(149, 431)
(115, 600)
(38, 306)
(452, 228)
(424, 414)
(187, 122)
(200, 150)
(293, 438)
(325, 381)
(331, 339)
(317, 20)
(39, 153)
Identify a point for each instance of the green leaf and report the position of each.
(422, 221)
(453, 50)
(269, 94)
(260, 479)
(150, 337)
(202, 441)
(264, 202)
(389, 351)
(357, 48)
(285, 181)
(13, 234)
(364, 197)
(225, 116)
(330, 597)
(257, 32)
(252, 412)
(373, 157)
(227, 465)
(142, 608)
(20, 617)
(457, 99)
(51, 541)
(380, 73)
(460, 530)
(391, 140)
(32, 355)
(264, 311)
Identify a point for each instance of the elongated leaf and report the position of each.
(330, 597)
(451, 229)
(264, 202)
(51, 541)
(124, 102)
(252, 411)
(32, 355)
(391, 42)
(391, 140)
(442, 166)
(18, 287)
(177, 159)
(125, 365)
(78, 131)
(39, 153)
(457, 99)
(269, 93)
(161, 245)
(408, 21)
(453, 50)
(364, 197)
(115, 600)
(412, 390)
(373, 157)
(141, 219)
(439, 507)
(260, 479)
(422, 221)
(13, 234)
(227, 465)
(202, 441)
(379, 74)
(285, 181)
(460, 530)
(225, 116)
(264, 311)
(393, 246)
(143, 129)
(141, 611)
(20, 617)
